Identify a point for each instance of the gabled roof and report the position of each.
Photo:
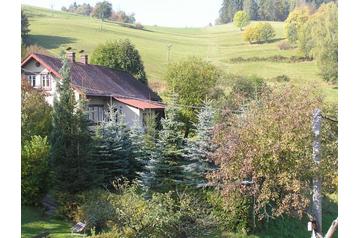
(95, 80)
(141, 104)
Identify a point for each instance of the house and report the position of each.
(100, 85)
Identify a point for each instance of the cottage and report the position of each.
(101, 86)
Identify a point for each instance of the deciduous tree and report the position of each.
(120, 55)
(192, 80)
(241, 19)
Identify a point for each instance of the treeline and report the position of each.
(102, 10)
(266, 10)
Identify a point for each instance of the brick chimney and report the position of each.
(71, 56)
(84, 59)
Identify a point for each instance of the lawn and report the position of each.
(56, 30)
(33, 223)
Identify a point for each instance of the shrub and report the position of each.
(95, 209)
(281, 78)
(259, 33)
(139, 26)
(235, 218)
(284, 45)
(250, 87)
(163, 215)
(34, 170)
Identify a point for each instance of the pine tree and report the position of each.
(140, 155)
(164, 171)
(113, 148)
(70, 139)
(200, 147)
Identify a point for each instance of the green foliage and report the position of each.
(70, 139)
(319, 38)
(295, 22)
(233, 213)
(192, 80)
(251, 8)
(94, 209)
(140, 154)
(82, 9)
(102, 10)
(228, 10)
(251, 87)
(273, 10)
(113, 151)
(35, 112)
(275, 156)
(164, 215)
(120, 55)
(200, 147)
(34, 170)
(241, 19)
(164, 170)
(24, 28)
(259, 33)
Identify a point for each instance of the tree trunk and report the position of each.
(316, 197)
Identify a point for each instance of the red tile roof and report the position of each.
(141, 104)
(96, 80)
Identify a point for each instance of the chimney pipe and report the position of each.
(71, 56)
(84, 59)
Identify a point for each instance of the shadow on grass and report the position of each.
(50, 42)
(34, 223)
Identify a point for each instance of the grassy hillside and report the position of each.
(55, 30)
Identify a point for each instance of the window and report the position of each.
(45, 80)
(95, 113)
(32, 80)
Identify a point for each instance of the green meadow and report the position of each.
(56, 30)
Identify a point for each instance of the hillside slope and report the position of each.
(55, 30)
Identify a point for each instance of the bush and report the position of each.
(163, 215)
(34, 170)
(281, 78)
(250, 87)
(235, 218)
(139, 26)
(95, 209)
(259, 33)
(284, 45)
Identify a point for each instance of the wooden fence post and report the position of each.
(316, 197)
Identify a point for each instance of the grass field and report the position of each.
(55, 31)
(33, 223)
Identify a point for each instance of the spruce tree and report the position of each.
(199, 148)
(113, 147)
(164, 171)
(70, 139)
(139, 154)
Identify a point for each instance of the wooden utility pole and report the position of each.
(316, 197)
